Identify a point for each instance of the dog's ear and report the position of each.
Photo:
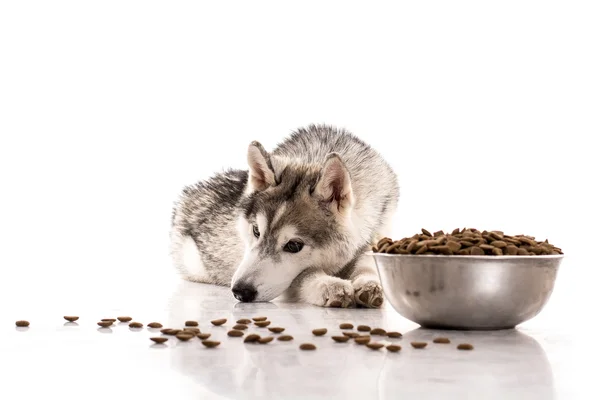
(261, 169)
(334, 185)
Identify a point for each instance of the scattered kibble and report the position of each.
(192, 330)
(363, 328)
(136, 325)
(154, 325)
(218, 322)
(308, 346)
(235, 333)
(262, 324)
(244, 321)
(362, 339)
(210, 343)
(105, 324)
(259, 319)
(465, 346)
(374, 345)
(346, 326)
(265, 340)
(378, 331)
(340, 339)
(276, 329)
(351, 335)
(184, 337)
(418, 345)
(285, 338)
(394, 335)
(240, 327)
(71, 318)
(203, 336)
(319, 332)
(113, 320)
(22, 323)
(394, 348)
(253, 337)
(124, 319)
(441, 340)
(159, 339)
(191, 323)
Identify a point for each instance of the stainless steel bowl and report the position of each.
(467, 292)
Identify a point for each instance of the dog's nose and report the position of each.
(245, 293)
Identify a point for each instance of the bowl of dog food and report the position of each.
(467, 279)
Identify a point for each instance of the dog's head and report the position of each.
(294, 216)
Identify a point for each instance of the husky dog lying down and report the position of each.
(297, 223)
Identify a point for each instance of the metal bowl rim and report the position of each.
(487, 258)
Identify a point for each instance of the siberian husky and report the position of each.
(296, 224)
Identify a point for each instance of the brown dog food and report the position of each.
(22, 323)
(210, 343)
(262, 324)
(154, 325)
(136, 325)
(467, 242)
(441, 340)
(394, 335)
(71, 319)
(253, 337)
(363, 328)
(340, 339)
(319, 332)
(243, 321)
(259, 319)
(308, 346)
(346, 326)
(218, 322)
(351, 335)
(203, 336)
(465, 346)
(394, 348)
(378, 331)
(105, 324)
(418, 345)
(235, 333)
(276, 329)
(159, 339)
(285, 338)
(265, 340)
(113, 320)
(240, 327)
(374, 346)
(191, 330)
(362, 339)
(184, 337)
(124, 319)
(191, 323)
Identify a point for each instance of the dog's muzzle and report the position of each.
(243, 292)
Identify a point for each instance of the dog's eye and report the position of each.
(293, 246)
(255, 231)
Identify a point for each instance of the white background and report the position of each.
(488, 111)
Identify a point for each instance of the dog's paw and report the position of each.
(333, 292)
(368, 293)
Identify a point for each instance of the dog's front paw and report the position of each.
(333, 292)
(368, 293)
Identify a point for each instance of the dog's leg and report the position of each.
(365, 281)
(314, 286)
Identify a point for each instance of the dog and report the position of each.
(296, 225)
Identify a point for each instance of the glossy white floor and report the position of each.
(542, 359)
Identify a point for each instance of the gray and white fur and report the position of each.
(297, 223)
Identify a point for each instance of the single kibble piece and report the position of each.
(193, 330)
(203, 336)
(235, 333)
(308, 346)
(441, 340)
(378, 331)
(465, 346)
(319, 332)
(240, 327)
(374, 345)
(276, 329)
(363, 328)
(253, 337)
(346, 326)
(244, 321)
(285, 338)
(394, 348)
(105, 324)
(184, 337)
(124, 319)
(258, 319)
(218, 322)
(262, 324)
(109, 319)
(265, 340)
(477, 251)
(71, 319)
(191, 323)
(159, 339)
(155, 325)
(166, 331)
(418, 345)
(136, 325)
(351, 335)
(340, 339)
(22, 323)
(362, 339)
(394, 335)
(171, 331)
(426, 232)
(210, 343)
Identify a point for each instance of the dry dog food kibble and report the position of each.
(265, 340)
(235, 333)
(308, 346)
(418, 345)
(203, 336)
(218, 322)
(374, 346)
(136, 325)
(108, 320)
(258, 319)
(319, 332)
(253, 337)
(340, 339)
(465, 346)
(351, 335)
(262, 324)
(378, 331)
(285, 338)
(346, 326)
(104, 324)
(363, 328)
(191, 323)
(155, 325)
(441, 340)
(71, 319)
(276, 329)
(244, 321)
(394, 335)
(240, 327)
(159, 339)
(124, 319)
(362, 339)
(22, 323)
(210, 343)
(184, 337)
(467, 242)
(195, 331)
(394, 348)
